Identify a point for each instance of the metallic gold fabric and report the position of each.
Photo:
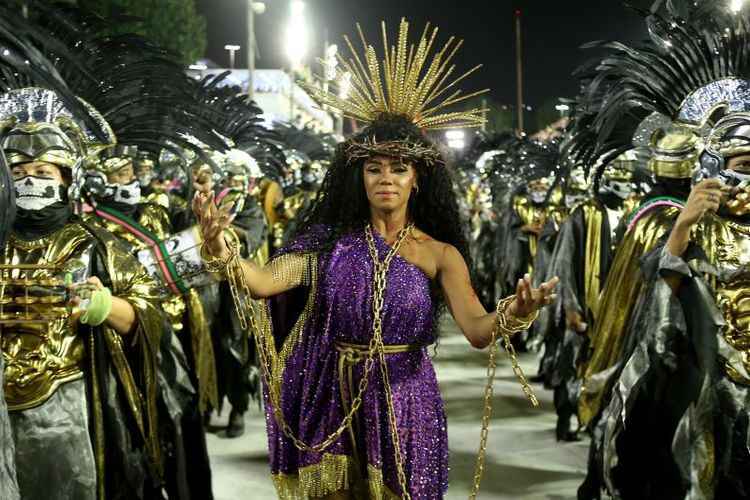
(153, 217)
(727, 246)
(529, 215)
(160, 198)
(333, 473)
(618, 298)
(134, 364)
(203, 353)
(131, 283)
(40, 355)
(593, 216)
(671, 169)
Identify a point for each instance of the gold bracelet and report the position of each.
(504, 330)
(215, 264)
(509, 323)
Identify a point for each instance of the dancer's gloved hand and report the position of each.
(529, 299)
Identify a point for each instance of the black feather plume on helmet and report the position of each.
(631, 81)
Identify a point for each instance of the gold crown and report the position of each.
(406, 84)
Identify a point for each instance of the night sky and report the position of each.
(553, 33)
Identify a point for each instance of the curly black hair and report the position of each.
(342, 206)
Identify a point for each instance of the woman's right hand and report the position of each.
(213, 221)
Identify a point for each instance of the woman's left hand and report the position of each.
(529, 299)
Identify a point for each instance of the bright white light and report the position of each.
(345, 85)
(455, 135)
(298, 7)
(296, 34)
(198, 67)
(331, 63)
(456, 143)
(231, 47)
(736, 6)
(562, 107)
(258, 7)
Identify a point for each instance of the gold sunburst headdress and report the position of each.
(410, 82)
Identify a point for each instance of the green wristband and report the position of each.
(99, 308)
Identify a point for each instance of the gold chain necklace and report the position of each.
(380, 280)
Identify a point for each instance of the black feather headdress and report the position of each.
(230, 115)
(684, 71)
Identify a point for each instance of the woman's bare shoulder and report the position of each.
(438, 249)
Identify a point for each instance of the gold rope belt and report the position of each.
(350, 355)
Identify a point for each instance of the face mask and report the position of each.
(733, 178)
(573, 199)
(538, 196)
(618, 188)
(36, 193)
(130, 194)
(145, 179)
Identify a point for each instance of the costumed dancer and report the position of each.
(581, 258)
(109, 447)
(549, 329)
(675, 414)
(8, 483)
(674, 159)
(232, 178)
(353, 407)
(523, 220)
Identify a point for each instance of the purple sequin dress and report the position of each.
(340, 310)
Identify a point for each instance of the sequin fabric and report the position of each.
(311, 394)
(732, 92)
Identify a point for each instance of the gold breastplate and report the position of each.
(727, 244)
(41, 349)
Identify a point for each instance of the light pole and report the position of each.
(296, 46)
(519, 75)
(232, 49)
(253, 8)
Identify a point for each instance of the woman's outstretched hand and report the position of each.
(529, 299)
(212, 221)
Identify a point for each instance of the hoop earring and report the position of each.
(416, 189)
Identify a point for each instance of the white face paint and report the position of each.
(36, 193)
(128, 193)
(538, 196)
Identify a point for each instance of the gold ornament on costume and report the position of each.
(407, 83)
(675, 153)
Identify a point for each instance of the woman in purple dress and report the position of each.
(353, 408)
